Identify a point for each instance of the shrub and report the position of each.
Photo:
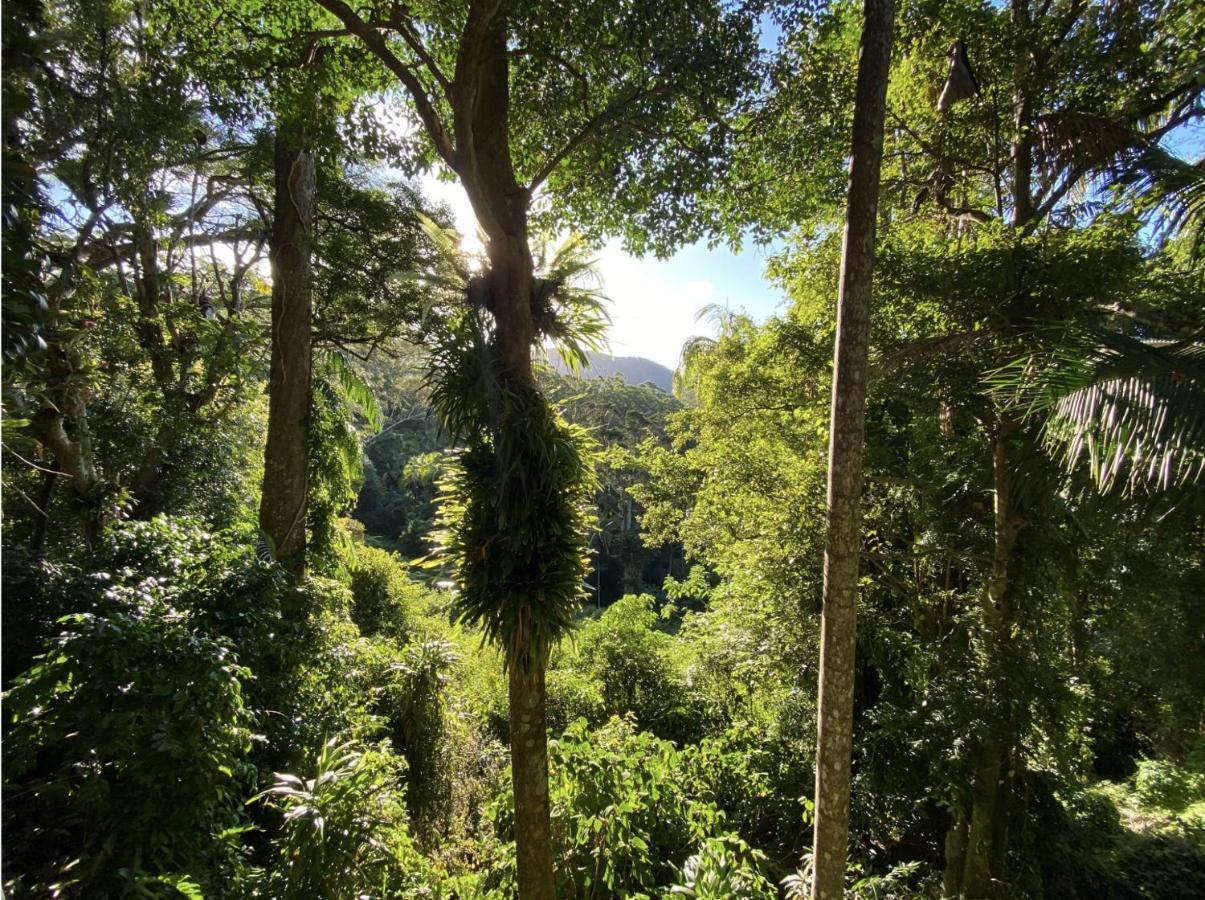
(1164, 784)
(343, 832)
(382, 594)
(130, 735)
(628, 657)
(725, 867)
(573, 696)
(622, 816)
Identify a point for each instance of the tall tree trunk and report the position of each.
(956, 854)
(529, 779)
(1022, 149)
(976, 872)
(501, 204)
(282, 511)
(511, 286)
(989, 799)
(838, 637)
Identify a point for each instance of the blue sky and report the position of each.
(654, 303)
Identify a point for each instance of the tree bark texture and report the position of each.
(282, 512)
(529, 778)
(834, 739)
(483, 162)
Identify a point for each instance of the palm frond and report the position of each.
(1133, 408)
(570, 307)
(1169, 192)
(687, 374)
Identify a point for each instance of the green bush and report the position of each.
(623, 816)
(127, 751)
(343, 832)
(573, 696)
(725, 867)
(628, 657)
(382, 594)
(1164, 784)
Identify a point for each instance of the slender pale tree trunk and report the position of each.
(834, 739)
(63, 429)
(282, 511)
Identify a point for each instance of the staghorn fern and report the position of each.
(515, 506)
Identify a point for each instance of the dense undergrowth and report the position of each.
(187, 723)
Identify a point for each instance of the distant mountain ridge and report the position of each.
(633, 369)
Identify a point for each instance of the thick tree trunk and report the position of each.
(282, 511)
(834, 739)
(511, 283)
(977, 880)
(529, 778)
(500, 203)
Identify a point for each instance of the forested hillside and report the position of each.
(632, 369)
(341, 559)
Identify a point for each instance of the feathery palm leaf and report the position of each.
(1170, 192)
(571, 308)
(696, 348)
(1134, 408)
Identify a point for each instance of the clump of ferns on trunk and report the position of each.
(515, 505)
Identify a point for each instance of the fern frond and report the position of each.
(353, 389)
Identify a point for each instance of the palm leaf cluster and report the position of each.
(1170, 192)
(515, 505)
(569, 305)
(1133, 408)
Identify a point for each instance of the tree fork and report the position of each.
(834, 737)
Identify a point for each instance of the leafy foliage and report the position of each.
(344, 830)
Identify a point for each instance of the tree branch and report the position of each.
(590, 129)
(422, 100)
